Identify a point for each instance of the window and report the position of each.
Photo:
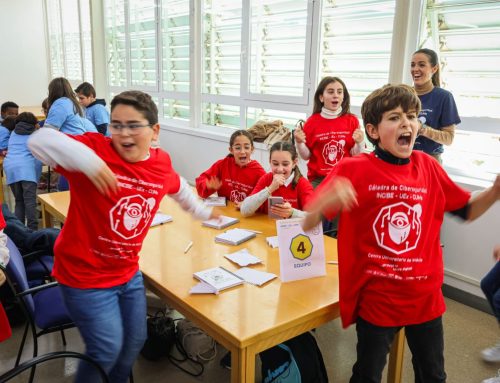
(69, 39)
(466, 34)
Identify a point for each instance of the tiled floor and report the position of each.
(467, 331)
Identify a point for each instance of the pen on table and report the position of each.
(333, 262)
(254, 231)
(188, 247)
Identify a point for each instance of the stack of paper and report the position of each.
(254, 277)
(160, 219)
(218, 278)
(215, 201)
(272, 241)
(221, 222)
(243, 258)
(234, 236)
(203, 288)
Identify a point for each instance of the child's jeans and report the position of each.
(425, 341)
(25, 197)
(490, 285)
(112, 323)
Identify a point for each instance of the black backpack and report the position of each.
(298, 360)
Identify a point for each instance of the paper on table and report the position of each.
(215, 201)
(203, 288)
(272, 241)
(234, 236)
(221, 222)
(243, 258)
(161, 218)
(254, 277)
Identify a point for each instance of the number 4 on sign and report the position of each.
(301, 246)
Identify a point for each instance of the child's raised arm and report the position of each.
(482, 201)
(55, 148)
(191, 203)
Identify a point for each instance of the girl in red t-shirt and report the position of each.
(235, 176)
(284, 180)
(331, 133)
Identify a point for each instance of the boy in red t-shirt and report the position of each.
(391, 204)
(117, 184)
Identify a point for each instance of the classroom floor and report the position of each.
(467, 331)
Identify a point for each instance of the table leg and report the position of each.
(238, 365)
(46, 217)
(395, 368)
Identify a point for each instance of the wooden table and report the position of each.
(245, 319)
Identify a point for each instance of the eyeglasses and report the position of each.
(133, 129)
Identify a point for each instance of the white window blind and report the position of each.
(116, 45)
(69, 39)
(356, 37)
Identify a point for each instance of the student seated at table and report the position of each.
(235, 176)
(6, 128)
(95, 108)
(284, 180)
(8, 108)
(117, 185)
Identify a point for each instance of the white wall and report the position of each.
(23, 66)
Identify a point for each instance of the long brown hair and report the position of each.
(60, 87)
(287, 146)
(318, 105)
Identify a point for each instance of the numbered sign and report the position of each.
(302, 254)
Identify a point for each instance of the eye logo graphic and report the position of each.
(237, 196)
(397, 227)
(131, 215)
(333, 152)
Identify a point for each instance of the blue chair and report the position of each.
(50, 356)
(43, 305)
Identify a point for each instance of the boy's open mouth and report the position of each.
(404, 139)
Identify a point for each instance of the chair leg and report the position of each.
(63, 338)
(22, 344)
(35, 354)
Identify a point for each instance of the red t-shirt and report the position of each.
(390, 259)
(100, 241)
(5, 330)
(237, 182)
(298, 197)
(328, 140)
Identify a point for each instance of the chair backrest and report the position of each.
(16, 274)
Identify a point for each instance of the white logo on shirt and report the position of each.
(237, 196)
(131, 215)
(333, 152)
(397, 227)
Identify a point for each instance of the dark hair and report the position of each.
(434, 61)
(318, 105)
(236, 134)
(60, 87)
(86, 89)
(26, 117)
(387, 98)
(45, 104)
(9, 122)
(140, 101)
(287, 146)
(7, 105)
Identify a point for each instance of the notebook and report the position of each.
(234, 236)
(254, 277)
(160, 219)
(221, 222)
(219, 278)
(243, 258)
(215, 201)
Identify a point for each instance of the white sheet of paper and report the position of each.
(161, 218)
(243, 258)
(273, 241)
(302, 254)
(255, 277)
(203, 288)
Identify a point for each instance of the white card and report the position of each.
(243, 258)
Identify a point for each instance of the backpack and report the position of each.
(298, 360)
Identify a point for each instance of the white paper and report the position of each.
(203, 288)
(302, 254)
(234, 236)
(243, 258)
(273, 241)
(221, 222)
(161, 218)
(219, 278)
(254, 277)
(215, 201)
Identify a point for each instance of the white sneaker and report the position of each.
(496, 379)
(491, 354)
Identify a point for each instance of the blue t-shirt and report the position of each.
(19, 164)
(4, 137)
(97, 114)
(89, 126)
(62, 115)
(438, 111)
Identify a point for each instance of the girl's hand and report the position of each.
(2, 277)
(496, 253)
(278, 180)
(237, 205)
(299, 135)
(215, 213)
(284, 210)
(358, 136)
(105, 181)
(213, 183)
